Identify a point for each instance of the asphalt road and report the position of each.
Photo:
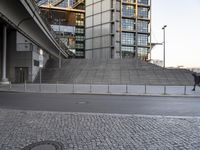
(144, 105)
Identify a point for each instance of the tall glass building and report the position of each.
(67, 19)
(118, 29)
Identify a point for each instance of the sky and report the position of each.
(182, 18)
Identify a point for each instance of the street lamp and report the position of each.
(164, 45)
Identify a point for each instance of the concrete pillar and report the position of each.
(4, 80)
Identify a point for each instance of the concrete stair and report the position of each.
(114, 71)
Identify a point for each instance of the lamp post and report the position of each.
(164, 45)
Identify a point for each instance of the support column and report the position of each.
(4, 80)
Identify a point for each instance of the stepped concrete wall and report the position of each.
(115, 71)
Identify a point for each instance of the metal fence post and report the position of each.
(10, 85)
(185, 90)
(108, 88)
(73, 88)
(25, 86)
(126, 88)
(56, 86)
(165, 90)
(90, 86)
(145, 89)
(40, 88)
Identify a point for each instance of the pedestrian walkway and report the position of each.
(88, 131)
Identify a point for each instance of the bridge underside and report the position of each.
(23, 33)
(24, 18)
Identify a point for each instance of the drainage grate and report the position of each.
(45, 145)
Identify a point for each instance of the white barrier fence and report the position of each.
(102, 89)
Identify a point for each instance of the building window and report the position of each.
(127, 51)
(128, 24)
(80, 38)
(128, 11)
(79, 30)
(79, 46)
(79, 16)
(142, 26)
(127, 38)
(142, 40)
(128, 1)
(142, 53)
(145, 2)
(143, 12)
(79, 23)
(79, 19)
(79, 53)
(65, 4)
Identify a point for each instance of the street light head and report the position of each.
(164, 26)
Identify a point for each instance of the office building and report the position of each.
(67, 19)
(117, 29)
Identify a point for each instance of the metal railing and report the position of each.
(63, 47)
(102, 89)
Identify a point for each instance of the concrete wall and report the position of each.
(17, 58)
(25, 45)
(99, 29)
(21, 52)
(37, 57)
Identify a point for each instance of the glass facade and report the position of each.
(128, 52)
(127, 38)
(135, 28)
(68, 25)
(145, 2)
(128, 10)
(143, 12)
(64, 4)
(128, 24)
(114, 28)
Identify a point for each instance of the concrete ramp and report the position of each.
(114, 71)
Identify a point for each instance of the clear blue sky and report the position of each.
(182, 18)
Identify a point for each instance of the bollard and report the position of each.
(108, 88)
(145, 89)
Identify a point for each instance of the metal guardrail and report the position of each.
(102, 89)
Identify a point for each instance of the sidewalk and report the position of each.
(89, 131)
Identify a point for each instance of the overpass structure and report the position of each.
(24, 17)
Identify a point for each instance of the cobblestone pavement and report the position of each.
(85, 131)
